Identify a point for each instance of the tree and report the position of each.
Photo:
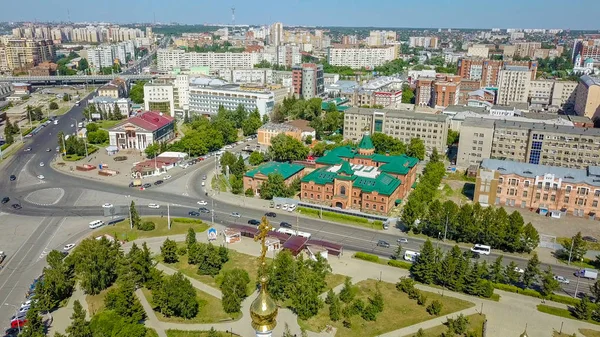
(576, 246)
(583, 309)
(95, 262)
(66, 97)
(135, 217)
(168, 251)
(239, 168)
(511, 275)
(237, 184)
(176, 297)
(152, 150)
(452, 137)
(408, 95)
(287, 148)
(251, 124)
(117, 115)
(348, 292)
(531, 271)
(98, 137)
(34, 327)
(137, 93)
(496, 274)
(123, 301)
(233, 287)
(549, 284)
(333, 121)
(256, 158)
(53, 106)
(83, 64)
(306, 301)
(59, 281)
(595, 290)
(227, 161)
(435, 157)
(190, 238)
(274, 187)
(398, 253)
(416, 148)
(530, 238)
(387, 144)
(423, 269)
(335, 308)
(435, 308)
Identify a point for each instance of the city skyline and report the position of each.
(387, 13)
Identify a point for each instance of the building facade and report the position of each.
(142, 130)
(403, 125)
(159, 97)
(206, 100)
(475, 143)
(298, 129)
(23, 54)
(307, 80)
(486, 71)
(587, 97)
(357, 58)
(513, 84)
(568, 191)
(254, 178)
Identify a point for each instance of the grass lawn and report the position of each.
(107, 124)
(589, 333)
(340, 218)
(475, 325)
(151, 332)
(219, 183)
(95, 303)
(122, 231)
(181, 333)
(61, 111)
(210, 310)
(399, 311)
(560, 312)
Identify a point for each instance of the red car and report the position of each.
(200, 158)
(18, 323)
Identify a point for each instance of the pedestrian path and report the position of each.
(61, 318)
(197, 284)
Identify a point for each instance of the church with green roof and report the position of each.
(358, 178)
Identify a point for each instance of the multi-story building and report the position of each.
(142, 130)
(276, 34)
(357, 58)
(169, 59)
(587, 97)
(445, 91)
(253, 75)
(298, 129)
(359, 179)
(159, 97)
(403, 125)
(288, 55)
(107, 104)
(554, 189)
(253, 179)
(3, 60)
(44, 69)
(381, 37)
(563, 94)
(475, 142)
(486, 71)
(427, 42)
(22, 54)
(207, 100)
(513, 84)
(588, 48)
(467, 86)
(307, 80)
(101, 57)
(423, 94)
(479, 50)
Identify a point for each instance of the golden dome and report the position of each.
(263, 310)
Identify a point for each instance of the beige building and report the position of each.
(298, 129)
(540, 94)
(475, 141)
(403, 125)
(587, 101)
(563, 94)
(357, 58)
(513, 84)
(479, 50)
(23, 54)
(159, 97)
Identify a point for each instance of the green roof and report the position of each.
(384, 184)
(366, 143)
(319, 176)
(285, 169)
(393, 164)
(346, 169)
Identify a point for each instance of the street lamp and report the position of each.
(16, 314)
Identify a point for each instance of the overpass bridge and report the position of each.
(72, 79)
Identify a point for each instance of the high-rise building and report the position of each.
(307, 80)
(159, 97)
(381, 37)
(357, 58)
(587, 49)
(427, 42)
(486, 71)
(446, 90)
(587, 98)
(22, 54)
(423, 93)
(288, 55)
(276, 34)
(513, 84)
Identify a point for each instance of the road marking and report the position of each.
(45, 252)
(61, 193)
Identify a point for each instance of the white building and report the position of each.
(169, 59)
(206, 100)
(513, 85)
(106, 104)
(6, 89)
(100, 57)
(357, 58)
(276, 34)
(142, 130)
(479, 50)
(251, 75)
(159, 97)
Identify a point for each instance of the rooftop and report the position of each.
(285, 169)
(589, 80)
(590, 176)
(149, 120)
(454, 109)
(573, 130)
(398, 114)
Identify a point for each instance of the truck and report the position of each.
(136, 183)
(588, 273)
(2, 257)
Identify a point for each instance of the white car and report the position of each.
(284, 207)
(236, 215)
(107, 205)
(26, 303)
(291, 207)
(519, 270)
(202, 203)
(69, 246)
(72, 125)
(402, 240)
(42, 164)
(40, 177)
(561, 279)
(154, 205)
(167, 177)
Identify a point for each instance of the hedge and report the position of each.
(28, 131)
(534, 293)
(186, 220)
(305, 210)
(399, 264)
(5, 146)
(366, 257)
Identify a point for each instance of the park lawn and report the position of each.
(106, 124)
(589, 332)
(548, 309)
(339, 218)
(182, 333)
(95, 303)
(398, 311)
(122, 229)
(151, 332)
(210, 310)
(475, 325)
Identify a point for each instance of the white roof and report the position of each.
(170, 154)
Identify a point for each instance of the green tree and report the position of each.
(95, 262)
(168, 251)
(227, 161)
(452, 138)
(335, 308)
(511, 275)
(496, 273)
(387, 144)
(190, 238)
(595, 290)
(416, 148)
(333, 121)
(233, 287)
(34, 327)
(53, 106)
(123, 301)
(549, 284)
(348, 292)
(408, 95)
(530, 238)
(304, 295)
(92, 127)
(136, 94)
(176, 297)
(423, 269)
(210, 261)
(286, 148)
(398, 252)
(117, 115)
(256, 158)
(66, 97)
(97, 137)
(274, 187)
(237, 184)
(59, 281)
(281, 275)
(583, 309)
(83, 64)
(435, 157)
(251, 124)
(238, 168)
(135, 217)
(152, 150)
(576, 246)
(531, 271)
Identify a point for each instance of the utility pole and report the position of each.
(446, 229)
(571, 251)
(168, 216)
(130, 219)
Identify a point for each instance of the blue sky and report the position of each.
(577, 14)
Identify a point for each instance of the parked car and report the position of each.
(41, 177)
(69, 246)
(285, 207)
(16, 206)
(203, 210)
(167, 177)
(147, 185)
(589, 239)
(107, 205)
(13, 177)
(253, 222)
(27, 149)
(236, 215)
(519, 270)
(193, 213)
(271, 214)
(5, 200)
(285, 224)
(382, 243)
(48, 150)
(158, 182)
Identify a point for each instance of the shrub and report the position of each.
(120, 158)
(182, 251)
(414, 294)
(53, 106)
(249, 192)
(369, 313)
(421, 299)
(399, 264)
(458, 325)
(506, 287)
(147, 226)
(563, 299)
(435, 308)
(366, 257)
(405, 285)
(530, 292)
(378, 223)
(187, 220)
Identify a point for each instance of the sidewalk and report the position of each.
(62, 316)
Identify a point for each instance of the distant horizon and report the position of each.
(397, 14)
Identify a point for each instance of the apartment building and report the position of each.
(427, 42)
(587, 97)
(276, 34)
(169, 59)
(423, 94)
(357, 58)
(251, 75)
(307, 80)
(486, 71)
(513, 84)
(586, 48)
(298, 129)
(479, 50)
(403, 125)
(159, 97)
(288, 55)
(207, 100)
(475, 143)
(101, 57)
(554, 189)
(23, 54)
(381, 37)
(563, 94)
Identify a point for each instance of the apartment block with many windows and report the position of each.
(357, 58)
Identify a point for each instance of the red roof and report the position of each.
(150, 120)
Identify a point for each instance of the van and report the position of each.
(96, 224)
(481, 249)
(409, 255)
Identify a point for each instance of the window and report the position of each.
(524, 194)
(381, 208)
(318, 196)
(367, 205)
(568, 189)
(553, 197)
(374, 207)
(595, 203)
(566, 200)
(537, 196)
(305, 194)
(312, 196)
(597, 193)
(343, 190)
(545, 196)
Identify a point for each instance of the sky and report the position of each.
(351, 13)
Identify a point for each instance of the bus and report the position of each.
(409, 255)
(481, 249)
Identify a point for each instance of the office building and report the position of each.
(427, 42)
(359, 179)
(402, 125)
(307, 80)
(116, 88)
(101, 57)
(564, 94)
(486, 71)
(357, 58)
(587, 97)
(159, 97)
(552, 189)
(298, 129)
(206, 100)
(438, 92)
(475, 145)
